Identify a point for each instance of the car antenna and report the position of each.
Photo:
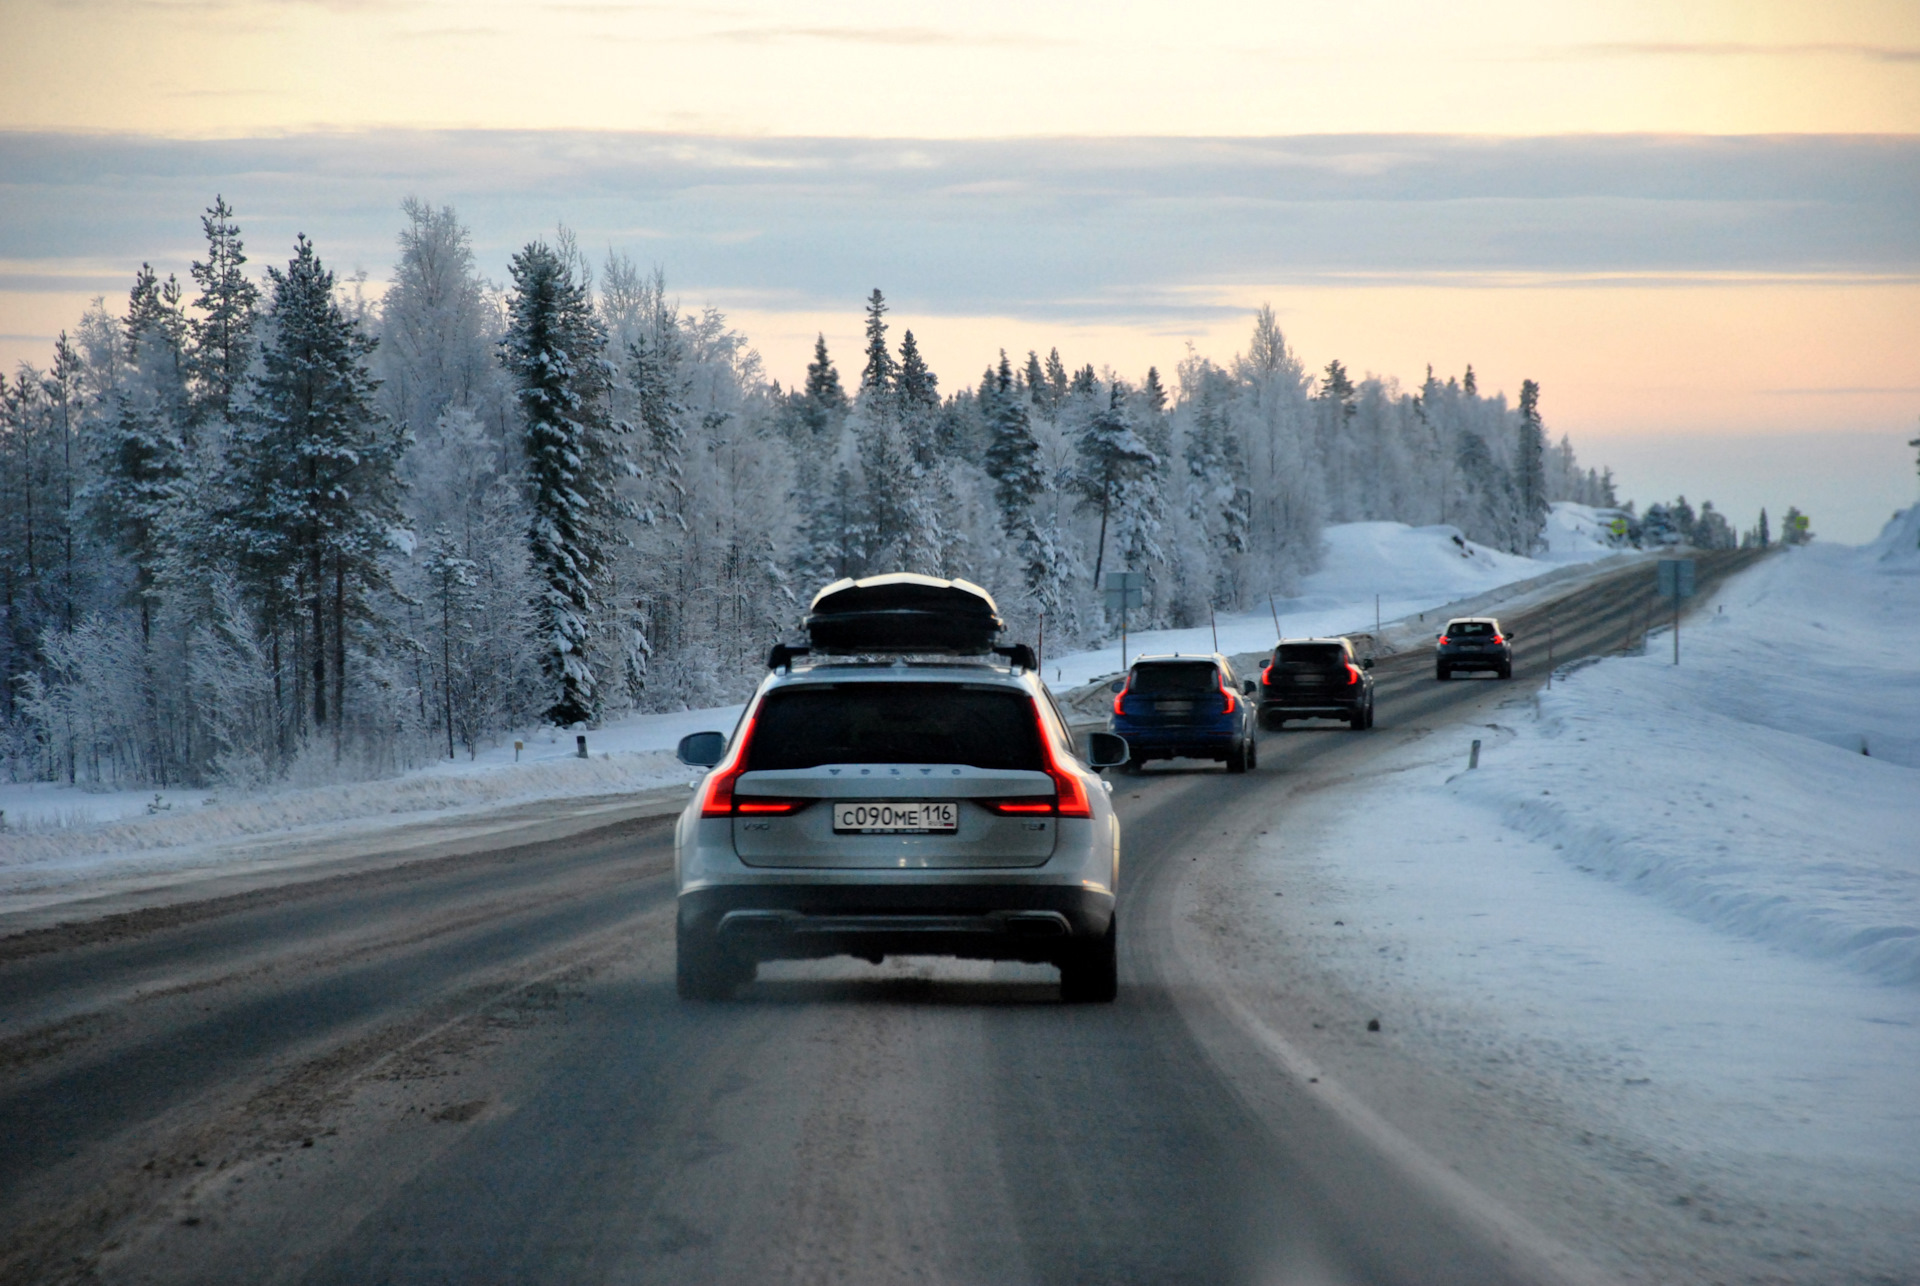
(1212, 626)
(1277, 635)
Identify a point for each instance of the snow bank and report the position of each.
(1767, 785)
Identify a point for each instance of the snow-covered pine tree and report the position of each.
(228, 304)
(1530, 469)
(136, 448)
(825, 398)
(1013, 454)
(1114, 479)
(1218, 499)
(918, 401)
(554, 352)
(313, 491)
(877, 376)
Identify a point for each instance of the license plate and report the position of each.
(896, 819)
(1308, 680)
(1173, 707)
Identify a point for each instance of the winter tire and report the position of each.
(1253, 754)
(1237, 757)
(1442, 672)
(1506, 672)
(703, 970)
(1091, 975)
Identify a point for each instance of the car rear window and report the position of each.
(1315, 654)
(1174, 678)
(1469, 629)
(894, 723)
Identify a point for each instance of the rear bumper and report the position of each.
(982, 921)
(1314, 704)
(1473, 660)
(1187, 742)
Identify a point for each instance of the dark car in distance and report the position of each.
(1473, 643)
(1189, 707)
(1316, 679)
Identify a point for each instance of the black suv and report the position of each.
(1316, 679)
(1473, 643)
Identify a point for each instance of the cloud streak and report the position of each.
(1038, 227)
(1743, 49)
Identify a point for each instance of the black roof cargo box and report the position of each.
(903, 612)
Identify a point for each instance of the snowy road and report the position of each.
(474, 1069)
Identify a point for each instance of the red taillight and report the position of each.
(1498, 639)
(1353, 674)
(1069, 791)
(718, 801)
(1266, 675)
(768, 807)
(1120, 697)
(1227, 692)
(1023, 807)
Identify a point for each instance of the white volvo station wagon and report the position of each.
(899, 787)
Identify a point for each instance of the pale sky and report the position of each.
(1687, 221)
(990, 68)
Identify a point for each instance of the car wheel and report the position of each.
(1237, 757)
(1369, 714)
(1091, 974)
(1253, 754)
(1506, 671)
(703, 970)
(1441, 672)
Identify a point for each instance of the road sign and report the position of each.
(1676, 577)
(1125, 590)
(1676, 583)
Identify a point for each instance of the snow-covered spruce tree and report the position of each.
(312, 494)
(1115, 479)
(136, 447)
(228, 306)
(877, 376)
(554, 352)
(1218, 498)
(1013, 453)
(1530, 469)
(917, 401)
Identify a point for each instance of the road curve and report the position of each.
(474, 1069)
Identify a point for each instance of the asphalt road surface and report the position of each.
(474, 1069)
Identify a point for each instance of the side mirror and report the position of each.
(1511, 636)
(1116, 685)
(1105, 750)
(1367, 664)
(702, 749)
(1248, 686)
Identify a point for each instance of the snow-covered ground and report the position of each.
(56, 837)
(1676, 912)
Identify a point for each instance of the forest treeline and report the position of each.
(254, 528)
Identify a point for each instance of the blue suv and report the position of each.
(1190, 707)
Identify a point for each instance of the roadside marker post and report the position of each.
(1473, 756)
(1277, 636)
(1676, 582)
(1125, 590)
